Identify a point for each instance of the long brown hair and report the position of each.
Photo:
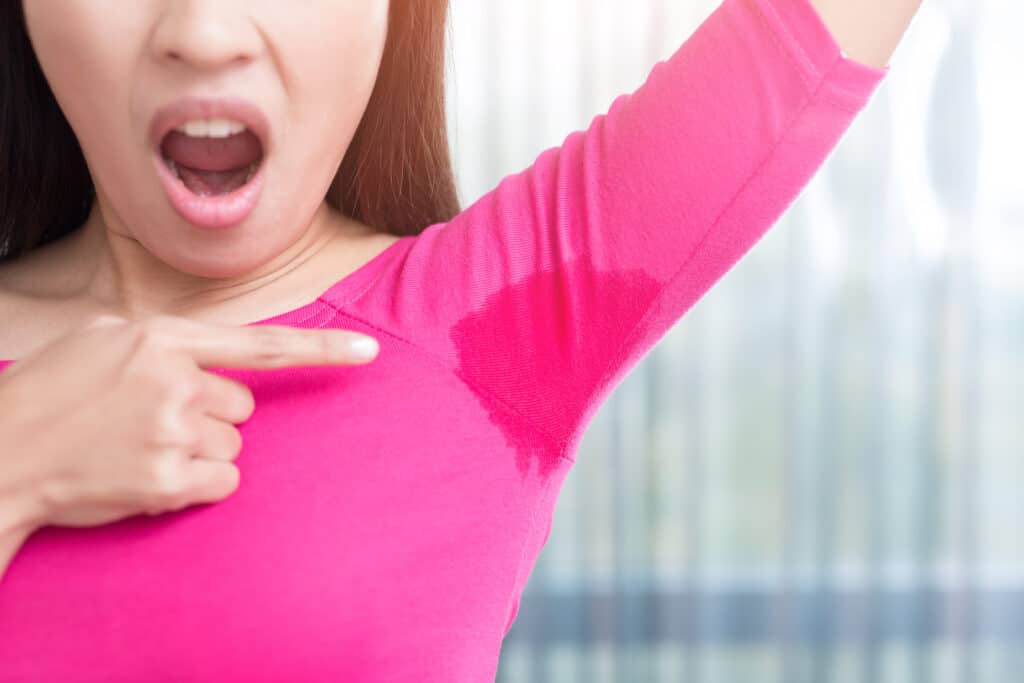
(396, 176)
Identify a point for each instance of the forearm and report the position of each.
(868, 30)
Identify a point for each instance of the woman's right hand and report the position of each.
(119, 418)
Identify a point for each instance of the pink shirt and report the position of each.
(389, 515)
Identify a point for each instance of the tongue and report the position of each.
(212, 154)
(212, 183)
(210, 166)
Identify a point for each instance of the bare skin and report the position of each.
(311, 68)
(868, 30)
(47, 292)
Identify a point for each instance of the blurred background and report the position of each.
(817, 475)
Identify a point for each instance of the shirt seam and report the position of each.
(785, 38)
(336, 302)
(805, 67)
(526, 543)
(561, 446)
(616, 357)
(319, 309)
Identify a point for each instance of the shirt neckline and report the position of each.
(341, 292)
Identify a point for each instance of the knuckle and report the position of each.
(152, 335)
(328, 344)
(175, 388)
(246, 403)
(234, 443)
(188, 389)
(165, 483)
(270, 347)
(170, 432)
(149, 359)
(151, 332)
(226, 444)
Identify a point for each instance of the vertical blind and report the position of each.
(817, 475)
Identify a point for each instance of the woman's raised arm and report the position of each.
(544, 292)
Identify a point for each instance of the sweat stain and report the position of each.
(541, 352)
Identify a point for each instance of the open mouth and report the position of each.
(210, 165)
(211, 158)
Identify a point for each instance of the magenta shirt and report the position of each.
(389, 515)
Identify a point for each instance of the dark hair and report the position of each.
(396, 176)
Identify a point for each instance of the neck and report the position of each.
(121, 276)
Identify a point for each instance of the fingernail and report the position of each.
(364, 347)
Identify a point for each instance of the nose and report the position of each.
(206, 34)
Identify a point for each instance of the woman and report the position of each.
(388, 513)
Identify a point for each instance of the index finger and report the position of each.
(267, 346)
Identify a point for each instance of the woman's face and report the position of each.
(310, 65)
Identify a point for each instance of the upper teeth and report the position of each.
(211, 128)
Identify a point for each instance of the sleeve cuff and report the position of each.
(803, 32)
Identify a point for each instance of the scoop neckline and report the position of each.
(341, 292)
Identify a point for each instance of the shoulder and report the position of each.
(12, 286)
(13, 313)
(30, 307)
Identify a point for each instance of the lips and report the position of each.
(223, 204)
